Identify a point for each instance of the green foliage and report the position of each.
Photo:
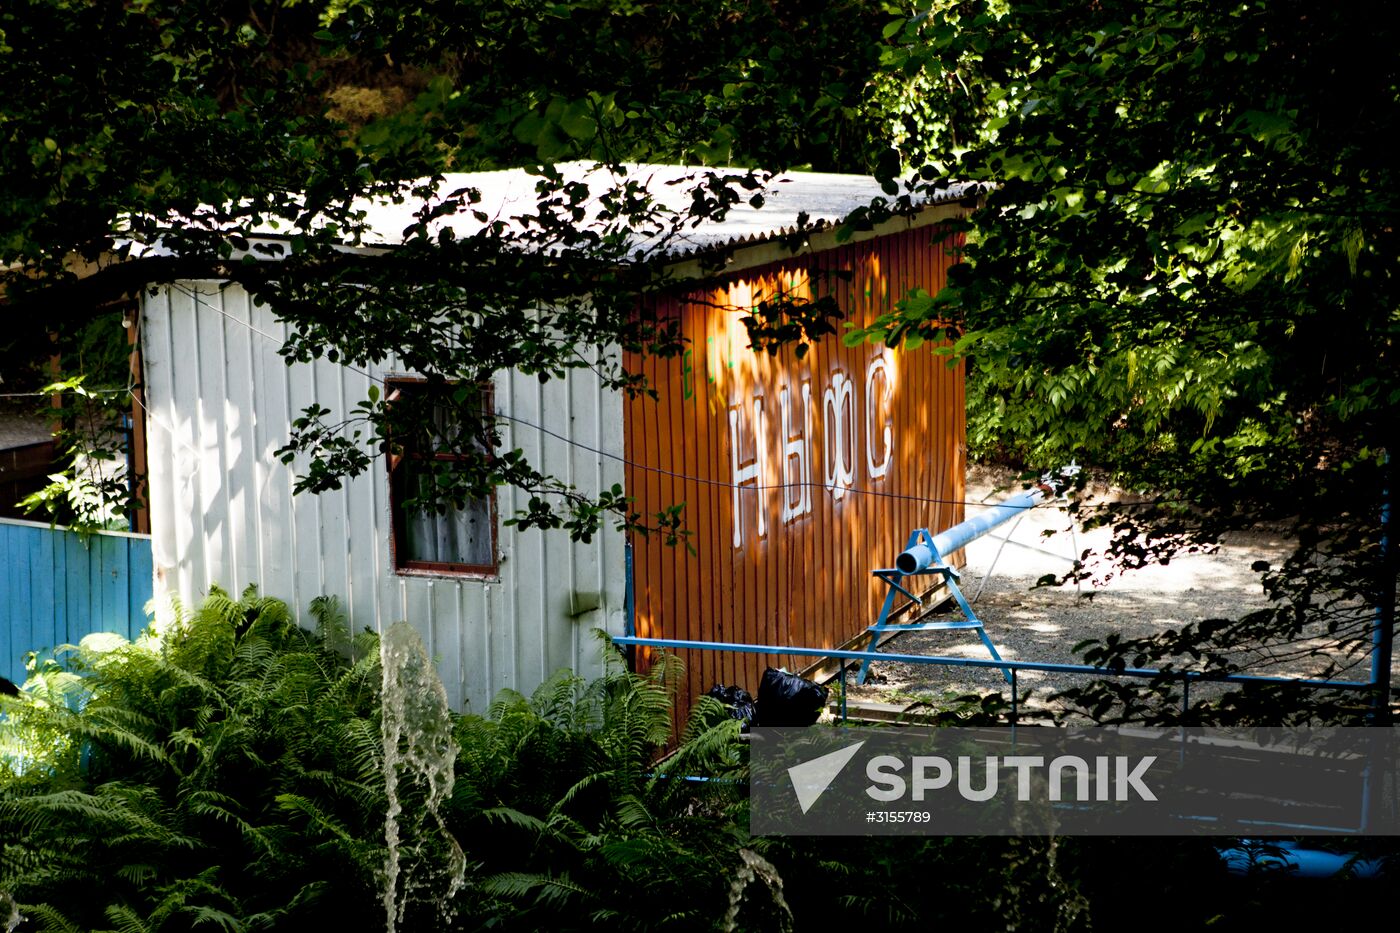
(576, 825)
(165, 151)
(230, 771)
(92, 491)
(1184, 251)
(225, 772)
(1185, 273)
(81, 374)
(713, 82)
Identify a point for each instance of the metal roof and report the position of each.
(510, 196)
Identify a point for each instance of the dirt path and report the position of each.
(1044, 624)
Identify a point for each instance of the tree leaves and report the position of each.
(1177, 274)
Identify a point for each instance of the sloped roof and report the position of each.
(509, 196)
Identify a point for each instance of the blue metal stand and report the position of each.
(931, 563)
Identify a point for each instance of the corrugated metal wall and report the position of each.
(220, 400)
(799, 476)
(57, 586)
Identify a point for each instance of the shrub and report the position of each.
(226, 772)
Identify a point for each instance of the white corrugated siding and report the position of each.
(221, 400)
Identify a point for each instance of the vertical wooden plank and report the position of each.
(766, 570)
(111, 584)
(557, 597)
(228, 444)
(206, 379)
(741, 444)
(366, 536)
(139, 582)
(327, 538)
(584, 470)
(239, 416)
(825, 530)
(180, 411)
(743, 517)
(867, 524)
(715, 452)
(28, 634)
(669, 447)
(690, 605)
(78, 588)
(768, 367)
(636, 480)
(701, 505)
(756, 577)
(272, 494)
(887, 536)
(11, 546)
(646, 560)
(41, 606)
(783, 373)
(754, 582)
(161, 450)
(656, 456)
(499, 624)
(712, 443)
(480, 687)
(808, 621)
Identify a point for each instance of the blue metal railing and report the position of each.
(1186, 676)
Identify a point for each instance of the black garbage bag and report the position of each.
(788, 700)
(739, 701)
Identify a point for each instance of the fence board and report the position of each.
(57, 588)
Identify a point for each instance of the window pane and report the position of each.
(458, 536)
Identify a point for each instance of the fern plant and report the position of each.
(229, 772)
(577, 825)
(225, 773)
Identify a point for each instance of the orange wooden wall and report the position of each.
(878, 421)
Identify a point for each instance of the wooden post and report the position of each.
(136, 459)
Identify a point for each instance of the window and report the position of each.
(441, 524)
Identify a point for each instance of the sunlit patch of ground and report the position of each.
(1045, 623)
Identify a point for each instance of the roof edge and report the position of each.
(742, 257)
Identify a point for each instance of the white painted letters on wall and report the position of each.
(855, 427)
(877, 397)
(797, 456)
(839, 431)
(753, 472)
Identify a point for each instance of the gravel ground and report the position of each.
(19, 426)
(1044, 624)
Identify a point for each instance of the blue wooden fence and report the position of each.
(55, 588)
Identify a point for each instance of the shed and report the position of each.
(798, 475)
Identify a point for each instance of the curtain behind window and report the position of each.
(458, 536)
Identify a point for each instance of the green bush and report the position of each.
(230, 772)
(575, 825)
(225, 773)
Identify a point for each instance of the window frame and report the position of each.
(398, 524)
